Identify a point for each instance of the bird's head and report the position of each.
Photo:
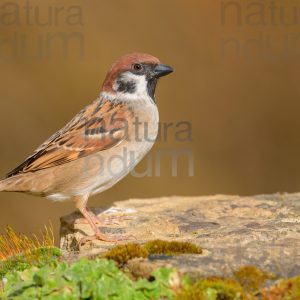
(135, 75)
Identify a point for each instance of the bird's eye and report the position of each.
(137, 67)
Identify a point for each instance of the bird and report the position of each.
(101, 144)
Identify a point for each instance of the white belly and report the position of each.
(119, 161)
(119, 165)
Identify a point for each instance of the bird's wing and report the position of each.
(101, 125)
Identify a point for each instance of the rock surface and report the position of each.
(233, 231)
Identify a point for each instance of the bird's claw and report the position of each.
(105, 238)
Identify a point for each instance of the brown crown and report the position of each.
(125, 63)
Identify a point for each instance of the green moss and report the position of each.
(38, 257)
(94, 279)
(288, 289)
(213, 289)
(252, 278)
(171, 248)
(122, 253)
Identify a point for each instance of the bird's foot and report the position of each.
(113, 220)
(84, 221)
(104, 220)
(105, 238)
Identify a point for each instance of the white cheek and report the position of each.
(140, 86)
(140, 81)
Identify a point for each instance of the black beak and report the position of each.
(161, 70)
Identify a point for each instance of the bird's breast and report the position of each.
(118, 161)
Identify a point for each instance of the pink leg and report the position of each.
(109, 220)
(80, 202)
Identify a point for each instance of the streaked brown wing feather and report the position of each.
(99, 126)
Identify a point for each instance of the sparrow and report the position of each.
(101, 144)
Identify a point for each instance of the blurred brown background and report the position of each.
(236, 82)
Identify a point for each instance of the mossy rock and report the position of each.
(213, 289)
(172, 248)
(252, 278)
(121, 254)
(286, 289)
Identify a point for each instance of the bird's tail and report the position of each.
(7, 185)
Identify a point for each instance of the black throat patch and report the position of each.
(151, 85)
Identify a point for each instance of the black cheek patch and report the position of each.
(126, 86)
